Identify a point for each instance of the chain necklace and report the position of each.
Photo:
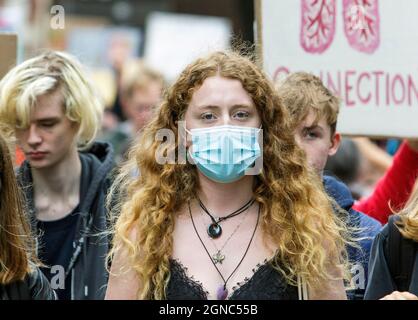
(222, 292)
(218, 256)
(214, 229)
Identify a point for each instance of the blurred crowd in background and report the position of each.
(135, 49)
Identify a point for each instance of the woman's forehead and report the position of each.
(218, 91)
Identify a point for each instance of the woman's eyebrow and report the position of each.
(247, 106)
(204, 106)
(235, 106)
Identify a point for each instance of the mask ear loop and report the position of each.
(189, 155)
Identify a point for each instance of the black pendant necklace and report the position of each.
(222, 292)
(214, 230)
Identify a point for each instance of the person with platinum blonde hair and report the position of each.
(47, 73)
(53, 111)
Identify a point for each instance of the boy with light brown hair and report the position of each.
(314, 112)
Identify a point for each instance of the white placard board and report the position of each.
(92, 45)
(175, 40)
(365, 51)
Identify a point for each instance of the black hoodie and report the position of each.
(382, 279)
(87, 264)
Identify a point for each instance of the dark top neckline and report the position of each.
(262, 275)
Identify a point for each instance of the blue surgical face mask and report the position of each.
(224, 153)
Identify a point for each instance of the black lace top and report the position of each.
(265, 284)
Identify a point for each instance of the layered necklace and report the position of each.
(214, 229)
(219, 256)
(222, 292)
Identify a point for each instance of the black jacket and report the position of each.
(87, 265)
(34, 287)
(381, 279)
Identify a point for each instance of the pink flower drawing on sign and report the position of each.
(361, 24)
(318, 25)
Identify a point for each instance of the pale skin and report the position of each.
(317, 140)
(50, 146)
(396, 295)
(219, 101)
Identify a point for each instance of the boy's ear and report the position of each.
(335, 143)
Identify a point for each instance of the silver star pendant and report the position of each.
(218, 257)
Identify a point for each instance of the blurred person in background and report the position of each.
(375, 161)
(119, 51)
(314, 112)
(50, 106)
(20, 278)
(345, 165)
(105, 83)
(141, 90)
(394, 257)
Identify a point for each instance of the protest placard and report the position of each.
(365, 51)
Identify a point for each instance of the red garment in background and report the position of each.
(393, 188)
(20, 157)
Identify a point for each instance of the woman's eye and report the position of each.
(241, 115)
(208, 116)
